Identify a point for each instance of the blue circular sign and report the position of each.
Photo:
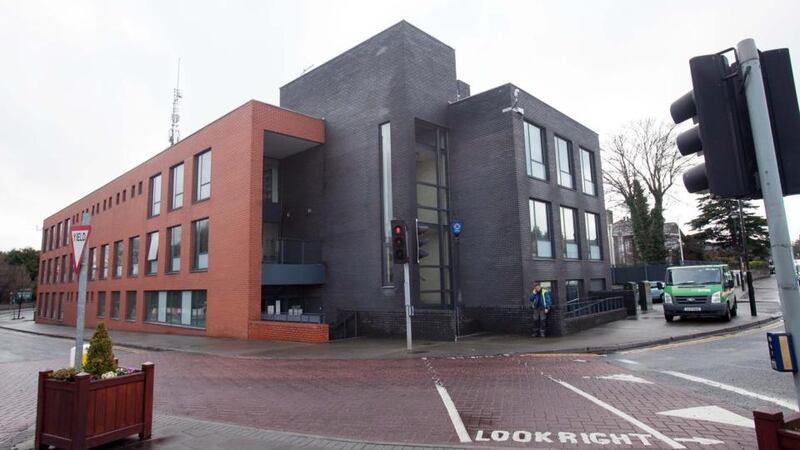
(456, 227)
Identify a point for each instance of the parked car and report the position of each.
(699, 291)
(657, 291)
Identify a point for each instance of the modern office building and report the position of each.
(273, 222)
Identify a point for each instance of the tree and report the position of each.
(12, 279)
(27, 257)
(644, 152)
(100, 357)
(718, 225)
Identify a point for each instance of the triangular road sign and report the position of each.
(80, 235)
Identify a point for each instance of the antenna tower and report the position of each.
(174, 132)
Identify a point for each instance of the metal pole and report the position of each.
(457, 282)
(751, 293)
(81, 313)
(407, 288)
(772, 192)
(680, 243)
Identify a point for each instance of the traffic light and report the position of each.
(399, 244)
(722, 131)
(422, 240)
(776, 67)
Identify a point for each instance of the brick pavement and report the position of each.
(499, 399)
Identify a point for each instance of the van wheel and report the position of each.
(735, 309)
(727, 316)
(668, 317)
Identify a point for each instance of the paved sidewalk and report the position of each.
(645, 329)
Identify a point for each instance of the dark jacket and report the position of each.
(540, 303)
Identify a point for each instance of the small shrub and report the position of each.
(100, 358)
(67, 374)
(757, 264)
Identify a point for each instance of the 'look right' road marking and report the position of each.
(727, 387)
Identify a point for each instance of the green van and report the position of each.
(699, 291)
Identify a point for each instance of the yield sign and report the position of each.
(80, 234)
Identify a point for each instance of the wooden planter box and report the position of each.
(775, 433)
(83, 413)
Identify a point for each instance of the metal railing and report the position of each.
(578, 308)
(291, 251)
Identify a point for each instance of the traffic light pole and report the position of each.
(770, 182)
(407, 288)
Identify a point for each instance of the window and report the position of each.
(587, 172)
(198, 309)
(534, 152)
(151, 306)
(117, 198)
(66, 232)
(573, 290)
(124, 194)
(56, 270)
(386, 201)
(42, 272)
(104, 261)
(174, 307)
(569, 233)
(200, 244)
(117, 259)
(61, 306)
(101, 304)
(176, 187)
(71, 269)
(564, 163)
(133, 190)
(52, 306)
(44, 240)
(43, 306)
(152, 253)
(140, 189)
(593, 236)
(202, 175)
(133, 256)
(174, 249)
(58, 235)
(130, 305)
(185, 308)
(541, 238)
(115, 305)
(52, 238)
(93, 264)
(64, 268)
(597, 284)
(155, 195)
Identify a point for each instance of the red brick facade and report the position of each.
(289, 331)
(120, 211)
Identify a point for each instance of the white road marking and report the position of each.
(711, 414)
(461, 430)
(647, 428)
(624, 377)
(628, 361)
(778, 401)
(701, 441)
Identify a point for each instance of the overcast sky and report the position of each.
(86, 86)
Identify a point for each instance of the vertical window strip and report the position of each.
(386, 201)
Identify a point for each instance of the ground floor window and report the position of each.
(573, 290)
(187, 308)
(130, 306)
(597, 284)
(115, 305)
(101, 305)
(291, 303)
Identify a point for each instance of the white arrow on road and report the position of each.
(711, 414)
(701, 441)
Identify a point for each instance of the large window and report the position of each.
(564, 163)
(152, 253)
(176, 186)
(130, 305)
(593, 236)
(541, 238)
(202, 175)
(66, 232)
(101, 304)
(58, 235)
(200, 244)
(587, 172)
(117, 259)
(133, 256)
(56, 270)
(93, 263)
(186, 308)
(115, 299)
(433, 213)
(174, 249)
(569, 233)
(155, 195)
(534, 151)
(386, 201)
(104, 261)
(64, 268)
(60, 306)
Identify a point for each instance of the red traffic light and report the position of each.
(397, 230)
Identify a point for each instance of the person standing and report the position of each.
(541, 303)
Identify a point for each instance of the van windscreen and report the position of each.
(694, 275)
